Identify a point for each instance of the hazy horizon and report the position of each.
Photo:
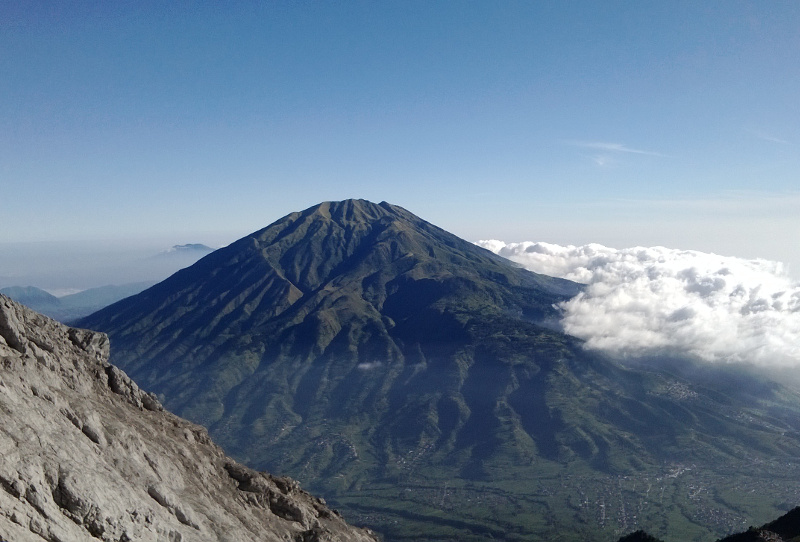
(67, 266)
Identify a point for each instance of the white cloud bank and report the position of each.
(641, 301)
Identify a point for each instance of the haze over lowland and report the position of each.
(68, 267)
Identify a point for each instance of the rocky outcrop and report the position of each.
(86, 455)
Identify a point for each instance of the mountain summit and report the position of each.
(422, 384)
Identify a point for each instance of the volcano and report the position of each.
(423, 385)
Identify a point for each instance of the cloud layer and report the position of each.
(642, 301)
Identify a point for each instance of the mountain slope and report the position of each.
(91, 300)
(33, 297)
(421, 382)
(86, 455)
(73, 306)
(357, 281)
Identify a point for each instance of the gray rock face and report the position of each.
(86, 455)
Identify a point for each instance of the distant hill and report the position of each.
(33, 297)
(194, 250)
(73, 306)
(423, 385)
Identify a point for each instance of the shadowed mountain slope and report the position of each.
(422, 383)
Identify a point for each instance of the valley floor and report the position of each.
(678, 503)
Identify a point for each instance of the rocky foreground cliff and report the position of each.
(86, 455)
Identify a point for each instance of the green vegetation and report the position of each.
(417, 383)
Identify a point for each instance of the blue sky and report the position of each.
(624, 123)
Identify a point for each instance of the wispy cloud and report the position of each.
(769, 137)
(749, 202)
(603, 160)
(612, 147)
